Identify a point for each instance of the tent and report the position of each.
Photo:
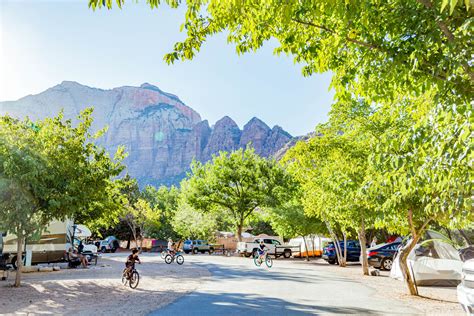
(433, 261)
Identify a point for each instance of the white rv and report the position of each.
(51, 247)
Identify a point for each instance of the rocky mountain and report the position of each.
(160, 132)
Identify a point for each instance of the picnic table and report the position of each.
(220, 249)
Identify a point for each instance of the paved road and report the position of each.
(237, 287)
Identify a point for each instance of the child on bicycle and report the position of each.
(131, 259)
(262, 250)
(171, 247)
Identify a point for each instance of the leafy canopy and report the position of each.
(237, 183)
(55, 169)
(375, 49)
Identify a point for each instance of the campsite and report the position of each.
(236, 157)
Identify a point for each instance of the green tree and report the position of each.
(237, 183)
(141, 218)
(424, 164)
(290, 220)
(50, 170)
(332, 169)
(166, 200)
(188, 222)
(375, 49)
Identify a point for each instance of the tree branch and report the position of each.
(347, 38)
(449, 35)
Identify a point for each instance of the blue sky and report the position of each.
(45, 42)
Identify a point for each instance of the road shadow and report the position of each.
(244, 304)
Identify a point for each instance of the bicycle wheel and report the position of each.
(179, 259)
(256, 260)
(134, 279)
(168, 259)
(163, 254)
(124, 277)
(269, 261)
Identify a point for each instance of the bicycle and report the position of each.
(164, 253)
(132, 277)
(258, 260)
(172, 257)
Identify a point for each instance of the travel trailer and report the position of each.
(314, 243)
(51, 247)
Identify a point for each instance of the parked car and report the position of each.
(196, 246)
(274, 247)
(381, 256)
(353, 251)
(109, 244)
(466, 287)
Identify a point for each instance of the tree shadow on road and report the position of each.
(243, 304)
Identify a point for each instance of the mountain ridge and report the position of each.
(161, 133)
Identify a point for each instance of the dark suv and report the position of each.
(353, 251)
(196, 246)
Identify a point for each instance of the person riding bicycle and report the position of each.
(171, 250)
(131, 259)
(262, 250)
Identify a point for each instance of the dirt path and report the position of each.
(98, 290)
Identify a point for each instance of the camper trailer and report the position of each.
(52, 245)
(312, 248)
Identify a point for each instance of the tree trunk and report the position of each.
(465, 237)
(312, 239)
(363, 249)
(404, 252)
(135, 239)
(337, 248)
(306, 248)
(239, 230)
(343, 262)
(19, 260)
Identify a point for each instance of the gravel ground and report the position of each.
(98, 290)
(432, 300)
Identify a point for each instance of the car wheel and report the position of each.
(287, 254)
(247, 255)
(195, 251)
(211, 250)
(103, 249)
(332, 261)
(387, 264)
(113, 250)
(186, 251)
